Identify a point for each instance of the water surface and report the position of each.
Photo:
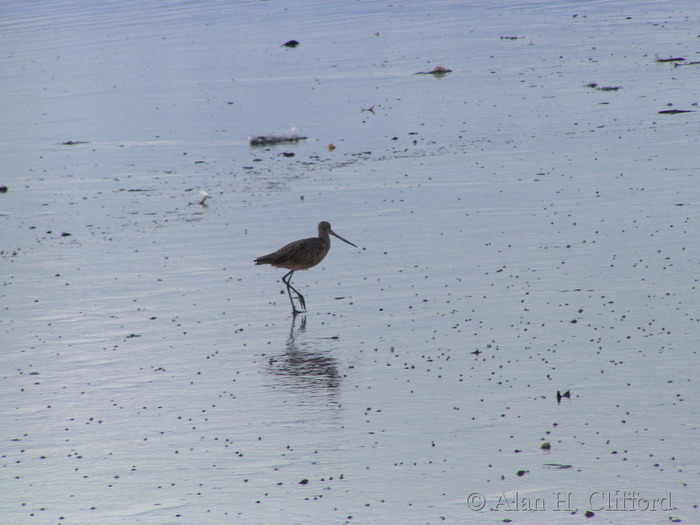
(521, 234)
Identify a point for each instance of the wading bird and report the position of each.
(301, 255)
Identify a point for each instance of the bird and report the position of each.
(301, 255)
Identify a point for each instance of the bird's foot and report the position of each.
(301, 300)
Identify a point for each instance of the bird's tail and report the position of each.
(265, 259)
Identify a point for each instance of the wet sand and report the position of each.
(522, 234)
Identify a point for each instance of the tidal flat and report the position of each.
(514, 339)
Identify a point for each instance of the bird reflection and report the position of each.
(303, 367)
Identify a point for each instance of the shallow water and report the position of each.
(520, 234)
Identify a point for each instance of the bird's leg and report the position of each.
(289, 292)
(286, 280)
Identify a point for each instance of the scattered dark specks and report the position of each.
(291, 43)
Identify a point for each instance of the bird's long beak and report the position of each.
(339, 237)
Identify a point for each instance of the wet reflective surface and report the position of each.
(527, 226)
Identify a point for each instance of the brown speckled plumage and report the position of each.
(298, 255)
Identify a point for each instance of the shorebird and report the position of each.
(301, 255)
